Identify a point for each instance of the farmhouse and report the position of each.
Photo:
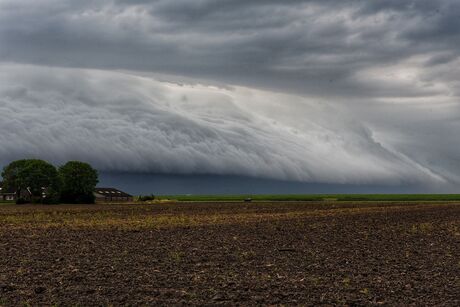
(6, 194)
(12, 195)
(111, 195)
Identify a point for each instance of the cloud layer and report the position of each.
(293, 45)
(321, 91)
(130, 123)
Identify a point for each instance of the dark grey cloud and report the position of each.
(330, 90)
(293, 45)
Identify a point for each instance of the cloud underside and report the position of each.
(123, 122)
(320, 91)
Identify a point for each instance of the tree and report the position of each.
(11, 176)
(79, 180)
(38, 177)
(42, 180)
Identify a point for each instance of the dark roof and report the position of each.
(111, 192)
(8, 191)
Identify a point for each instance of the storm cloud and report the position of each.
(318, 91)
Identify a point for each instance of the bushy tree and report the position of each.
(146, 197)
(38, 177)
(42, 181)
(79, 180)
(12, 178)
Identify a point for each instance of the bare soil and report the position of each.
(231, 254)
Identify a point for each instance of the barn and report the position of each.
(111, 195)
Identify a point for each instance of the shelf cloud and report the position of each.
(334, 91)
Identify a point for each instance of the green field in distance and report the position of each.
(317, 197)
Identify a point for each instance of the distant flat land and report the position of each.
(293, 253)
(318, 197)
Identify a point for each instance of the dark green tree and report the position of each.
(79, 180)
(11, 176)
(42, 180)
(38, 177)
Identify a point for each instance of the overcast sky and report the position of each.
(326, 91)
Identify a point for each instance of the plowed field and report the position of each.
(231, 253)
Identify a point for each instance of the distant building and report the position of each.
(7, 194)
(11, 194)
(111, 195)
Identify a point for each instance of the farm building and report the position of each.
(7, 194)
(111, 195)
(11, 194)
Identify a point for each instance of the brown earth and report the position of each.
(231, 253)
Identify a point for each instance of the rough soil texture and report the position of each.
(231, 253)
